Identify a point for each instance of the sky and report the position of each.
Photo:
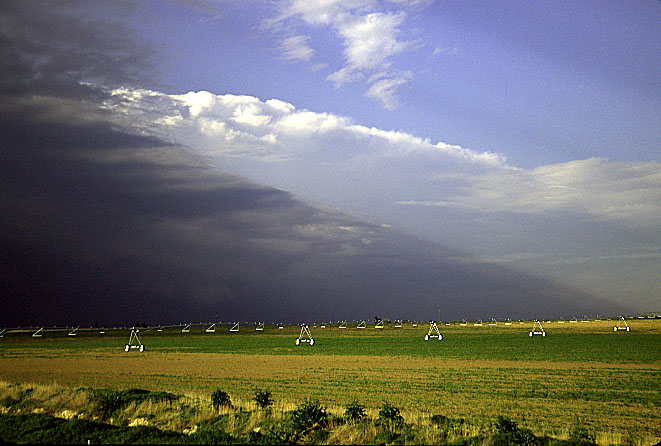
(324, 159)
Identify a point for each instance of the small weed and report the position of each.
(354, 412)
(505, 425)
(263, 399)
(309, 414)
(389, 414)
(220, 398)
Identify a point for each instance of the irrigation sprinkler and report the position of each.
(134, 341)
(537, 329)
(433, 332)
(305, 335)
(621, 325)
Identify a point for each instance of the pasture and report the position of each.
(580, 373)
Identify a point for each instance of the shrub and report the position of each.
(508, 433)
(354, 411)
(505, 425)
(220, 398)
(390, 413)
(263, 398)
(309, 414)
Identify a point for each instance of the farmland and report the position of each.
(580, 373)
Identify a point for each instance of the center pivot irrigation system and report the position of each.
(433, 332)
(305, 335)
(537, 329)
(621, 325)
(134, 342)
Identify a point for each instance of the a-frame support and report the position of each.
(343, 325)
(2, 332)
(211, 329)
(186, 329)
(433, 332)
(235, 328)
(362, 325)
(622, 325)
(398, 323)
(379, 324)
(134, 341)
(537, 329)
(73, 332)
(260, 327)
(38, 333)
(305, 335)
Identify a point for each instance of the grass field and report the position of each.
(580, 373)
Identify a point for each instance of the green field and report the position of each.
(580, 373)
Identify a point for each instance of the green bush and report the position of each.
(389, 413)
(220, 398)
(263, 398)
(505, 425)
(309, 414)
(509, 433)
(354, 411)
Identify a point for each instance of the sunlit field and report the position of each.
(579, 373)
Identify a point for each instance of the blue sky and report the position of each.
(517, 135)
(539, 82)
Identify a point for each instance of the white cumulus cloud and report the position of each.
(386, 164)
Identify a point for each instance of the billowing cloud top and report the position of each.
(430, 174)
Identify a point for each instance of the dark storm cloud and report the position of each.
(99, 225)
(48, 48)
